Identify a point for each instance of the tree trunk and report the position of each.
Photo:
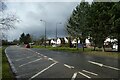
(118, 44)
(83, 46)
(77, 43)
(70, 43)
(94, 48)
(103, 48)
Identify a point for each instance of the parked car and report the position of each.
(27, 46)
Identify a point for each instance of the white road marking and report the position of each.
(45, 56)
(102, 65)
(111, 67)
(53, 60)
(9, 60)
(90, 72)
(24, 58)
(84, 75)
(37, 53)
(74, 76)
(41, 54)
(99, 64)
(30, 62)
(50, 59)
(42, 71)
(68, 66)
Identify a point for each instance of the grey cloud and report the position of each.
(31, 13)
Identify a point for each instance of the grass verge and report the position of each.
(6, 70)
(87, 51)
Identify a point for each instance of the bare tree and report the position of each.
(7, 20)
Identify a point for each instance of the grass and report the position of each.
(105, 54)
(6, 70)
(87, 51)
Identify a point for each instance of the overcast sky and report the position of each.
(31, 12)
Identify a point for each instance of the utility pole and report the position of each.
(56, 31)
(45, 31)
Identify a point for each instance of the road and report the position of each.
(34, 63)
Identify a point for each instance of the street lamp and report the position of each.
(56, 30)
(45, 30)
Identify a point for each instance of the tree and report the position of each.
(77, 23)
(22, 38)
(99, 21)
(28, 39)
(115, 20)
(7, 21)
(25, 38)
(15, 42)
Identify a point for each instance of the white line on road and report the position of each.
(68, 66)
(53, 60)
(99, 64)
(24, 58)
(45, 56)
(36, 52)
(50, 59)
(111, 67)
(41, 54)
(102, 65)
(90, 72)
(74, 76)
(30, 62)
(9, 60)
(42, 71)
(84, 75)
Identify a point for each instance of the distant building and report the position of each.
(112, 41)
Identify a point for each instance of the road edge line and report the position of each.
(11, 64)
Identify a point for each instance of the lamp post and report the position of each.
(45, 30)
(56, 30)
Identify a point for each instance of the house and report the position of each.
(53, 41)
(87, 42)
(113, 41)
(58, 41)
(66, 39)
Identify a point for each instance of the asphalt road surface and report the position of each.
(34, 63)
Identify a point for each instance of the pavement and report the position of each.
(31, 64)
